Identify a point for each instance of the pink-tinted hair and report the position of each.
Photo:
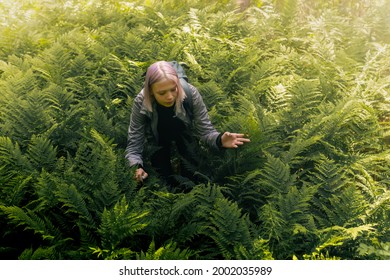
(157, 72)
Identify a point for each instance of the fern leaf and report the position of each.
(41, 153)
(170, 251)
(336, 236)
(119, 224)
(42, 253)
(11, 155)
(29, 220)
(73, 201)
(228, 227)
(276, 175)
(273, 224)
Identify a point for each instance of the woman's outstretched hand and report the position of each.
(233, 140)
(140, 175)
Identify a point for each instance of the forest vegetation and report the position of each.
(308, 80)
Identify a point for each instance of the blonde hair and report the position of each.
(157, 72)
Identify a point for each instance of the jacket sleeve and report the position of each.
(136, 133)
(203, 127)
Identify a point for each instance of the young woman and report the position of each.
(159, 116)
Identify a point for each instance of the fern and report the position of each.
(54, 64)
(228, 228)
(272, 221)
(31, 221)
(287, 221)
(24, 117)
(41, 153)
(304, 102)
(333, 189)
(119, 224)
(339, 239)
(247, 191)
(170, 251)
(15, 174)
(378, 212)
(45, 188)
(16, 188)
(161, 223)
(259, 251)
(41, 253)
(277, 97)
(347, 200)
(11, 155)
(17, 78)
(72, 199)
(276, 176)
(376, 250)
(93, 170)
(78, 212)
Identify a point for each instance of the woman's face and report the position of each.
(165, 92)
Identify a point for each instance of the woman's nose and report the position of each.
(170, 96)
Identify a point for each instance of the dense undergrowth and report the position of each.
(307, 80)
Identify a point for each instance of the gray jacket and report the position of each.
(143, 121)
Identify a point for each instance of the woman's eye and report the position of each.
(173, 90)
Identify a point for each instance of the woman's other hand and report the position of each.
(140, 175)
(233, 140)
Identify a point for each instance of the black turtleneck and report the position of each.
(169, 127)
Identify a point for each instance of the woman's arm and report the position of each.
(206, 131)
(136, 133)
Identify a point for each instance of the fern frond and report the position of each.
(295, 205)
(15, 173)
(276, 175)
(278, 98)
(31, 221)
(305, 100)
(41, 153)
(15, 187)
(119, 224)
(347, 207)
(375, 251)
(117, 254)
(11, 155)
(74, 203)
(328, 175)
(336, 236)
(228, 228)
(296, 153)
(170, 251)
(259, 251)
(286, 220)
(53, 64)
(45, 187)
(25, 117)
(41, 253)
(17, 81)
(93, 169)
(381, 204)
(205, 197)
(273, 224)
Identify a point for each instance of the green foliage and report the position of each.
(308, 81)
(119, 224)
(167, 252)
